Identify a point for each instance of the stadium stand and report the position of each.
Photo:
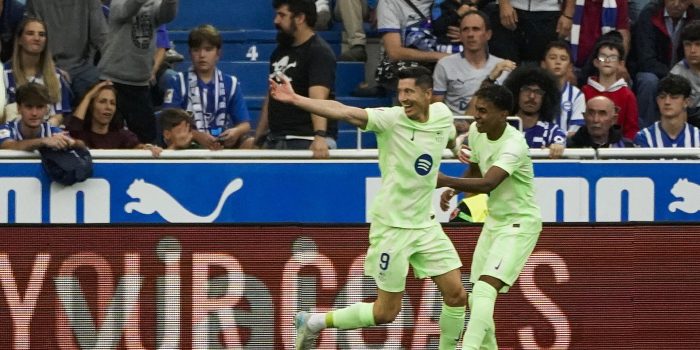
(249, 40)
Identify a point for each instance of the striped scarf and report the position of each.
(608, 22)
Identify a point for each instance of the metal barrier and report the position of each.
(252, 155)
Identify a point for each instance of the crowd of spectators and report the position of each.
(586, 49)
(585, 73)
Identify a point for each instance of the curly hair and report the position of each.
(533, 75)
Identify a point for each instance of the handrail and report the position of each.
(369, 154)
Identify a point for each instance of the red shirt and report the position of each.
(591, 26)
(624, 99)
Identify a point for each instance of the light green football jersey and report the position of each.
(512, 201)
(409, 158)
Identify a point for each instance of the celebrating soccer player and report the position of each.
(499, 164)
(410, 138)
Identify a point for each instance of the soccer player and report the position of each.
(499, 164)
(410, 138)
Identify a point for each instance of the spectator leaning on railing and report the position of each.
(96, 121)
(30, 131)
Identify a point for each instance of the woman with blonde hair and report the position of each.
(32, 62)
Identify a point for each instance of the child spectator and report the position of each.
(607, 60)
(214, 98)
(177, 129)
(97, 123)
(689, 68)
(557, 60)
(32, 62)
(672, 129)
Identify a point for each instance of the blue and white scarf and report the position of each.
(608, 22)
(197, 103)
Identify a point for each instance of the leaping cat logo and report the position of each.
(689, 193)
(150, 198)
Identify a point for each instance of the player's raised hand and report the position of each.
(280, 89)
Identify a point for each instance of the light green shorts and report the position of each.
(502, 252)
(391, 250)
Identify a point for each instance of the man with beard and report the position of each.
(307, 61)
(537, 104)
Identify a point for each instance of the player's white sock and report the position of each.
(317, 322)
(481, 315)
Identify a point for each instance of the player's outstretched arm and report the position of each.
(281, 90)
(493, 177)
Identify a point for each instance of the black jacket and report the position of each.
(582, 139)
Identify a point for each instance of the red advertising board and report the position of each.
(238, 287)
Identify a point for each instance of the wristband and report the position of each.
(321, 133)
(569, 17)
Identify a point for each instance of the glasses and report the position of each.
(611, 58)
(528, 90)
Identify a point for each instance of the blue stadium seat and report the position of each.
(224, 14)
(248, 44)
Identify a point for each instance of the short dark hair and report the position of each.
(691, 31)
(675, 85)
(484, 16)
(172, 117)
(558, 44)
(205, 33)
(499, 95)
(32, 94)
(422, 75)
(298, 7)
(611, 44)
